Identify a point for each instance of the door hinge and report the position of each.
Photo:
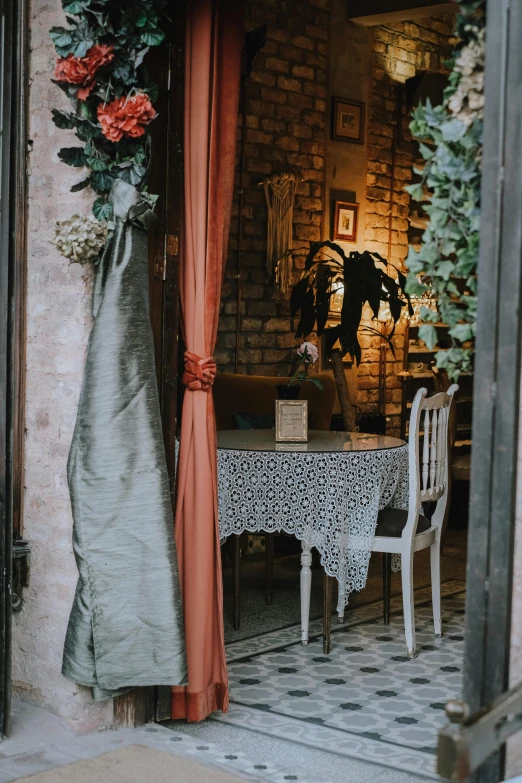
(21, 569)
(170, 249)
(160, 264)
(172, 244)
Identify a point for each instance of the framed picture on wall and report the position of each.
(348, 120)
(345, 221)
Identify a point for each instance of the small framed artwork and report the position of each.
(291, 421)
(345, 221)
(348, 121)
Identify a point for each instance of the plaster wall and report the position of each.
(58, 325)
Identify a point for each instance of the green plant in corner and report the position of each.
(450, 139)
(365, 281)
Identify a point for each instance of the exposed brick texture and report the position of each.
(286, 121)
(286, 113)
(399, 51)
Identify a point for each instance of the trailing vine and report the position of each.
(100, 68)
(450, 139)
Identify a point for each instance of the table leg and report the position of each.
(306, 589)
(236, 571)
(386, 579)
(269, 567)
(327, 612)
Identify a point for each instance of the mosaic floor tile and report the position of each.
(366, 698)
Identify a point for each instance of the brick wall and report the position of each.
(286, 125)
(286, 111)
(399, 51)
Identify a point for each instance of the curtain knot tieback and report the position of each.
(199, 373)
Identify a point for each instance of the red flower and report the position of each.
(81, 70)
(126, 116)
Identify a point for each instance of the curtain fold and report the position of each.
(214, 38)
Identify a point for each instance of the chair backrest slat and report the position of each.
(426, 450)
(443, 438)
(429, 476)
(433, 449)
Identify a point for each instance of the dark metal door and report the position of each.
(488, 710)
(12, 303)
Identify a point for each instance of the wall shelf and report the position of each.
(412, 381)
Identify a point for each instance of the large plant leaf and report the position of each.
(81, 185)
(102, 181)
(63, 119)
(73, 156)
(152, 38)
(307, 322)
(74, 6)
(298, 294)
(102, 209)
(322, 300)
(331, 336)
(63, 40)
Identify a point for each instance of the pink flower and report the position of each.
(309, 351)
(82, 70)
(126, 117)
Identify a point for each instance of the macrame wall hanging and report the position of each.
(280, 190)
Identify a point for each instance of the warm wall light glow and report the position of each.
(336, 302)
(418, 302)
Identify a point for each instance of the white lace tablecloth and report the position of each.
(328, 498)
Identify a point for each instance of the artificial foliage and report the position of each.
(100, 68)
(364, 280)
(450, 140)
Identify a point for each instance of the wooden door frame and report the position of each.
(13, 258)
(497, 376)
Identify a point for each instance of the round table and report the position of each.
(326, 492)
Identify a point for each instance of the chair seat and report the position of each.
(392, 521)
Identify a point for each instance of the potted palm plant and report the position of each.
(365, 280)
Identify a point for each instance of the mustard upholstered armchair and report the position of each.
(256, 394)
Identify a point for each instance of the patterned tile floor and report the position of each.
(366, 699)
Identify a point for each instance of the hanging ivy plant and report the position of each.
(450, 139)
(100, 67)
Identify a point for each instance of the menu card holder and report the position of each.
(291, 421)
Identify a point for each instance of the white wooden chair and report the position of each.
(405, 532)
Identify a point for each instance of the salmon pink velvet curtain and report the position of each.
(214, 40)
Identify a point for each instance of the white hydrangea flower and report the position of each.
(467, 103)
(80, 238)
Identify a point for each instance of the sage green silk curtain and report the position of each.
(126, 624)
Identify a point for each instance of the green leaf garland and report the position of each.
(100, 63)
(450, 139)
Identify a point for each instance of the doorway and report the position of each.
(265, 128)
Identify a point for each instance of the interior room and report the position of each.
(324, 122)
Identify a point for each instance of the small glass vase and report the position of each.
(288, 392)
